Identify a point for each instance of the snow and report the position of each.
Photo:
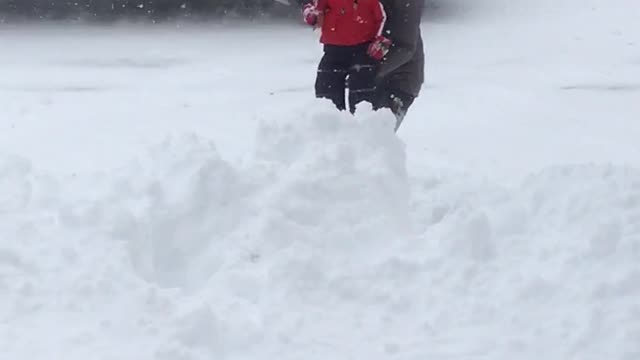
(165, 194)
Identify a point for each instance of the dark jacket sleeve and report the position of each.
(404, 31)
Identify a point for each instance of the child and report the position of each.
(353, 45)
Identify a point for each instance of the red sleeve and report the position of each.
(379, 16)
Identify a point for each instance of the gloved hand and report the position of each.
(379, 47)
(310, 14)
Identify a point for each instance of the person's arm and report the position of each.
(407, 15)
(380, 17)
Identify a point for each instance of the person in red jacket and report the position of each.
(353, 47)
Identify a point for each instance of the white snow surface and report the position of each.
(167, 195)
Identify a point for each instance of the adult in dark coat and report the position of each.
(401, 74)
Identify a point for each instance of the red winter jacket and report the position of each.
(350, 22)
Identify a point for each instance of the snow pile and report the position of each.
(184, 256)
(65, 290)
(548, 268)
(319, 246)
(260, 251)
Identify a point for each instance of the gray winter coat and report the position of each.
(403, 68)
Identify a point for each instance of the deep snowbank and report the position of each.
(319, 246)
(546, 269)
(183, 249)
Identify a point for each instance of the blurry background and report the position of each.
(155, 10)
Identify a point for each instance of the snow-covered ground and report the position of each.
(176, 193)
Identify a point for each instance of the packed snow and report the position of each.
(167, 195)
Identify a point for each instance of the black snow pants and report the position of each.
(346, 67)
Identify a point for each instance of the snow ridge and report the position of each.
(320, 245)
